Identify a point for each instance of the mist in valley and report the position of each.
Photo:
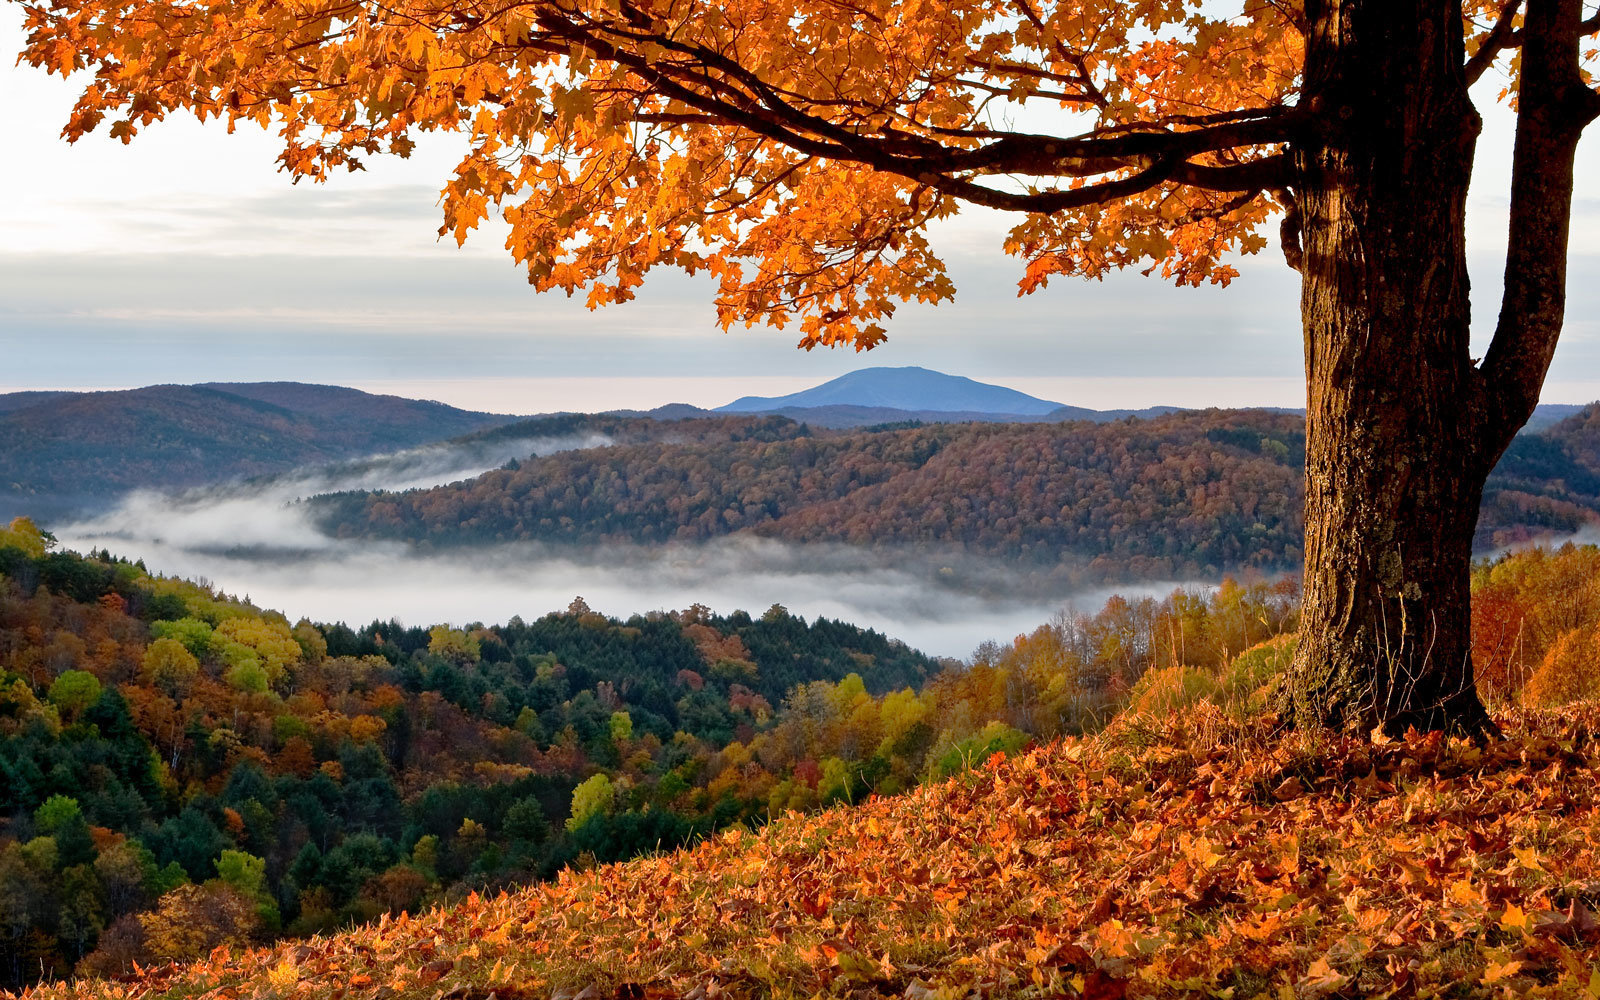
(264, 516)
(258, 539)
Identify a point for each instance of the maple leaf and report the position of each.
(1495, 972)
(1289, 789)
(1322, 978)
(1514, 919)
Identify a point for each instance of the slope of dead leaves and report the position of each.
(1175, 857)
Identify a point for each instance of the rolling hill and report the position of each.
(1190, 494)
(21, 400)
(62, 454)
(335, 756)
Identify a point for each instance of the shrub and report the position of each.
(996, 737)
(1569, 671)
(1166, 689)
(1251, 676)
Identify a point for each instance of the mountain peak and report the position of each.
(908, 388)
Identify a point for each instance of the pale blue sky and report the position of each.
(186, 257)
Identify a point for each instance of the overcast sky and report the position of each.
(186, 257)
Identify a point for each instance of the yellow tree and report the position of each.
(797, 150)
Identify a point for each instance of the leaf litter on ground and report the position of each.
(1164, 857)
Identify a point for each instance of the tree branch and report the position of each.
(1257, 175)
(1499, 39)
(1047, 202)
(1554, 106)
(1503, 37)
(736, 98)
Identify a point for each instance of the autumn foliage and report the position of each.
(1164, 857)
(180, 769)
(1536, 626)
(796, 153)
(1183, 496)
(184, 771)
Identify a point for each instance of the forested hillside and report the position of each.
(1580, 435)
(67, 453)
(179, 769)
(1185, 495)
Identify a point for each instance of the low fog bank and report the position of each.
(430, 465)
(1589, 534)
(257, 539)
(263, 515)
(357, 583)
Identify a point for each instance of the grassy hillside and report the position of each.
(1162, 858)
(62, 453)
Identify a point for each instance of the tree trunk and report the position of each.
(1394, 466)
(1402, 425)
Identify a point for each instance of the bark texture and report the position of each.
(1402, 426)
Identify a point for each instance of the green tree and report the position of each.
(74, 691)
(82, 916)
(248, 675)
(594, 797)
(57, 812)
(195, 634)
(170, 666)
(525, 820)
(621, 726)
(247, 875)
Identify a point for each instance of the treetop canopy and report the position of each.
(795, 149)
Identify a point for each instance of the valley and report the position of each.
(594, 636)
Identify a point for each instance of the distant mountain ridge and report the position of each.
(67, 453)
(845, 416)
(885, 395)
(22, 400)
(909, 388)
(62, 454)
